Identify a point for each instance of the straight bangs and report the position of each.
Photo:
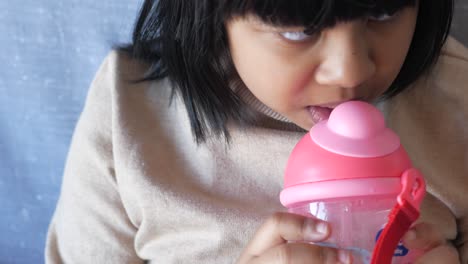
(314, 15)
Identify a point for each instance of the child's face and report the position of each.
(302, 77)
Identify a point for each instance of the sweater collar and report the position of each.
(264, 115)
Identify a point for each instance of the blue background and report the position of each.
(49, 53)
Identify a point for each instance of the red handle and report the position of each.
(400, 219)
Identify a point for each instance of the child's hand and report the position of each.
(270, 243)
(426, 237)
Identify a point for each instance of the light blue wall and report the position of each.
(49, 52)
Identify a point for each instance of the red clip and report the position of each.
(413, 189)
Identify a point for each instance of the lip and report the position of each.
(319, 113)
(331, 105)
(322, 112)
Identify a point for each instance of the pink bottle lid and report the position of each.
(351, 154)
(355, 129)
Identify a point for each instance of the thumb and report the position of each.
(283, 227)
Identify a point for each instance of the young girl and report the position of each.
(179, 154)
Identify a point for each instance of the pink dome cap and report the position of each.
(355, 129)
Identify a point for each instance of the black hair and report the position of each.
(185, 40)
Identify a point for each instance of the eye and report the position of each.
(381, 17)
(296, 36)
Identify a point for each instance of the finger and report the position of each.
(282, 227)
(423, 236)
(302, 253)
(446, 254)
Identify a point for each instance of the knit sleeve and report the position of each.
(90, 224)
(453, 80)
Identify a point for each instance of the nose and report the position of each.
(346, 60)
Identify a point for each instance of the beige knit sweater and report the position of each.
(136, 186)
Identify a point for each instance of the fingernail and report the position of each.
(321, 227)
(315, 229)
(344, 256)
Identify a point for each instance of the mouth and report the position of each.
(322, 112)
(319, 113)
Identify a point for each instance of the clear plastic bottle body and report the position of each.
(356, 224)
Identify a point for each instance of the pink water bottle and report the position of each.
(352, 172)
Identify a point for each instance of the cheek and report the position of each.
(271, 78)
(391, 51)
(390, 61)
